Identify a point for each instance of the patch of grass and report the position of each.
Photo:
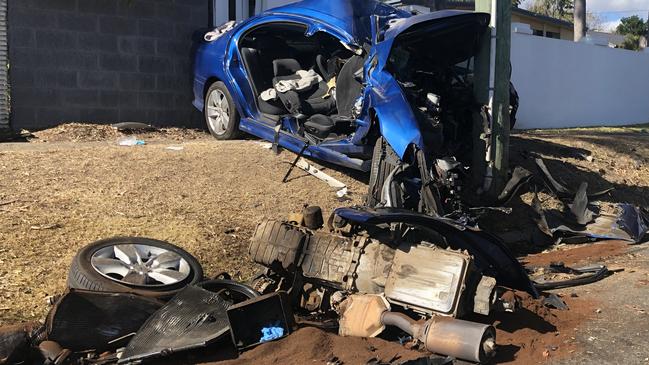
(635, 128)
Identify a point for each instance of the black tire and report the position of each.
(381, 167)
(82, 274)
(232, 130)
(235, 291)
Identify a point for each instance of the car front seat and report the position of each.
(312, 101)
(348, 89)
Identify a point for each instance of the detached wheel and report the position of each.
(135, 265)
(221, 115)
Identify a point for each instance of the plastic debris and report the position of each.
(130, 141)
(341, 188)
(271, 333)
(175, 148)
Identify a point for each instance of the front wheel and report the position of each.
(221, 115)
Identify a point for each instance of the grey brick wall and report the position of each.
(4, 79)
(103, 61)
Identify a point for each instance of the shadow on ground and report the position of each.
(519, 229)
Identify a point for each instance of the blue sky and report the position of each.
(611, 11)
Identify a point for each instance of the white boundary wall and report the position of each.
(566, 84)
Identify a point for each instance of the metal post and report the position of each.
(492, 72)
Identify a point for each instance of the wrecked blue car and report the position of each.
(355, 83)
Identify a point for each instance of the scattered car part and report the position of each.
(341, 188)
(627, 222)
(560, 190)
(520, 176)
(539, 216)
(101, 317)
(360, 315)
(579, 207)
(429, 360)
(580, 276)
(194, 318)
(135, 265)
(553, 301)
(297, 158)
(368, 315)
(248, 319)
(489, 253)
(15, 342)
(448, 336)
(412, 272)
(485, 296)
(229, 289)
(53, 353)
(428, 279)
(284, 255)
(313, 217)
(133, 126)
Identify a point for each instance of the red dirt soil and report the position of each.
(534, 333)
(315, 346)
(589, 253)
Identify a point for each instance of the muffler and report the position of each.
(448, 336)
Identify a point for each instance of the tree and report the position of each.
(632, 25)
(632, 28)
(560, 9)
(594, 21)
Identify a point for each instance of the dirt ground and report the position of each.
(74, 185)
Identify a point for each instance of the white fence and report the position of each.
(566, 84)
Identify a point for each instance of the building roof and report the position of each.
(470, 5)
(542, 17)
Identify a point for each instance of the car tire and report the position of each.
(220, 112)
(88, 271)
(234, 291)
(381, 167)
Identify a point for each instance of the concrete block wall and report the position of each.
(103, 61)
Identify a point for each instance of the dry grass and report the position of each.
(57, 197)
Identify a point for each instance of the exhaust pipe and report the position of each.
(448, 336)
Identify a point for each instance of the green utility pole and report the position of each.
(491, 88)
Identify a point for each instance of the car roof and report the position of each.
(348, 16)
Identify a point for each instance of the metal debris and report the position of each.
(133, 126)
(628, 223)
(553, 301)
(262, 319)
(101, 318)
(546, 278)
(192, 319)
(341, 188)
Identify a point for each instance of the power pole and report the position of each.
(491, 88)
(580, 20)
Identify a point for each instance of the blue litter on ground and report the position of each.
(271, 333)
